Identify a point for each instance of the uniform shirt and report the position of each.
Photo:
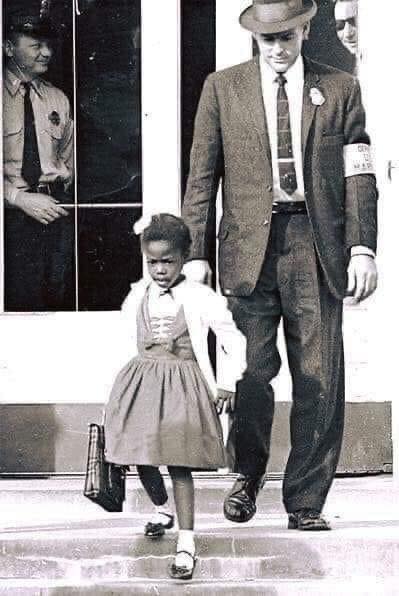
(294, 89)
(54, 128)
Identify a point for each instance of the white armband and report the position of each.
(358, 159)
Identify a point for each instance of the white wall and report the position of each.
(378, 42)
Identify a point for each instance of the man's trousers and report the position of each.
(39, 263)
(291, 287)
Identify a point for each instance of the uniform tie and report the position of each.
(286, 162)
(31, 169)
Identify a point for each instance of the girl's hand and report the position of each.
(223, 398)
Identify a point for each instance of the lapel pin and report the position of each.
(316, 96)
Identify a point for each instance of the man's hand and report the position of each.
(362, 277)
(42, 208)
(225, 398)
(198, 270)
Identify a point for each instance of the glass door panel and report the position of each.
(95, 69)
(108, 102)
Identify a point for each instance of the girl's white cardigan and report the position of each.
(203, 309)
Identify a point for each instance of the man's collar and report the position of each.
(13, 83)
(294, 74)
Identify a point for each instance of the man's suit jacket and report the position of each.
(231, 143)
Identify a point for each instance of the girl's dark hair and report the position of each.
(168, 227)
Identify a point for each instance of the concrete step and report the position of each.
(53, 541)
(28, 501)
(32, 502)
(265, 551)
(367, 586)
(64, 496)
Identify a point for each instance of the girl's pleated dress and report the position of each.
(161, 410)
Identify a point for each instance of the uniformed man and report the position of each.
(38, 171)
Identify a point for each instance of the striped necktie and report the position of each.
(285, 157)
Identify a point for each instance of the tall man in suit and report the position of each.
(287, 138)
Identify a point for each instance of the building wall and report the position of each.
(56, 368)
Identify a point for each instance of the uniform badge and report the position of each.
(54, 118)
(316, 97)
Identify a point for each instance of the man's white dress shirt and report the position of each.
(294, 88)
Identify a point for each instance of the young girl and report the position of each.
(162, 406)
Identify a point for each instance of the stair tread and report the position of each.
(168, 587)
(131, 528)
(57, 500)
(50, 541)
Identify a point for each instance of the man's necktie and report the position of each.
(286, 163)
(31, 169)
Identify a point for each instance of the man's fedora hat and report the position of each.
(274, 16)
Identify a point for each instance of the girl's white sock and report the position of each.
(185, 542)
(161, 514)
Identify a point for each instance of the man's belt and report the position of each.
(289, 207)
(53, 189)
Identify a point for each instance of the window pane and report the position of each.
(109, 256)
(198, 42)
(198, 59)
(38, 158)
(108, 101)
(39, 263)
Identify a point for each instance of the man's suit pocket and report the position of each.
(331, 136)
(223, 232)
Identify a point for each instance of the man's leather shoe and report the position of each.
(240, 503)
(308, 520)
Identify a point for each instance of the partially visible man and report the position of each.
(38, 171)
(346, 12)
(286, 136)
